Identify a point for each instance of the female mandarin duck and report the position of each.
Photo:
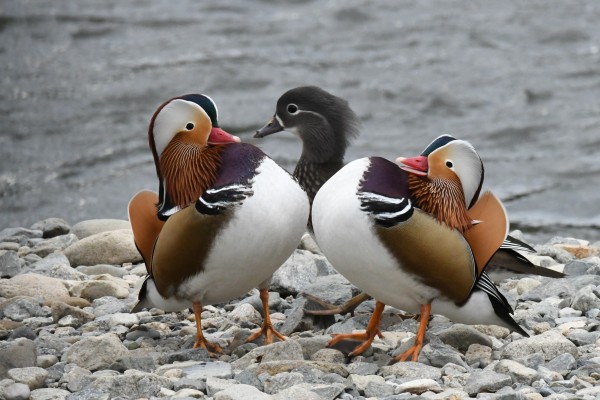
(421, 260)
(228, 216)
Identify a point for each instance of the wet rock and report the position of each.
(462, 336)
(241, 392)
(112, 247)
(52, 227)
(33, 377)
(33, 285)
(550, 344)
(19, 353)
(96, 352)
(91, 227)
(486, 381)
(287, 350)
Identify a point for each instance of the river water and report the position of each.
(520, 80)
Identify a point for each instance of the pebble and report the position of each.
(66, 331)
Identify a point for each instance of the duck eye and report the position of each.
(189, 126)
(449, 164)
(292, 108)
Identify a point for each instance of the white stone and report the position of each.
(112, 247)
(361, 381)
(245, 313)
(419, 386)
(215, 385)
(241, 392)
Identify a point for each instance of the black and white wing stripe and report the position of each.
(387, 211)
(215, 201)
(511, 243)
(499, 302)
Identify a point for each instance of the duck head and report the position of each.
(445, 180)
(185, 138)
(325, 123)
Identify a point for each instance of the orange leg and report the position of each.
(368, 336)
(267, 328)
(201, 341)
(416, 348)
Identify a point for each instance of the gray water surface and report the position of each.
(520, 80)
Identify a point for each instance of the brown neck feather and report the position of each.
(188, 169)
(443, 199)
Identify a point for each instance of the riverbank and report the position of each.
(66, 331)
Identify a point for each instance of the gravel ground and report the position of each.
(66, 331)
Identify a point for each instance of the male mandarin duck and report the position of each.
(225, 218)
(422, 260)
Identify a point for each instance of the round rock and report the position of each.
(112, 247)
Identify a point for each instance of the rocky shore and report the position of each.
(66, 331)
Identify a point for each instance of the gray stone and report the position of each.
(241, 392)
(52, 227)
(19, 353)
(112, 247)
(328, 391)
(559, 254)
(310, 345)
(47, 360)
(109, 305)
(198, 354)
(91, 227)
(533, 360)
(16, 391)
(33, 285)
(418, 386)
(550, 344)
(20, 308)
(57, 243)
(274, 301)
(135, 384)
(249, 378)
(33, 377)
(49, 394)
(277, 383)
(296, 320)
(48, 343)
(577, 267)
(60, 310)
(297, 273)
(19, 235)
(100, 269)
(438, 355)
(329, 355)
(411, 369)
(334, 289)
(485, 381)
(302, 366)
(462, 336)
(585, 299)
(101, 286)
(362, 381)
(215, 385)
(206, 369)
(582, 337)
(563, 364)
(297, 392)
(478, 355)
(518, 372)
(75, 378)
(362, 368)
(124, 319)
(244, 314)
(376, 389)
(287, 350)
(10, 264)
(95, 352)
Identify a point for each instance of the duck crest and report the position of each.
(443, 199)
(187, 170)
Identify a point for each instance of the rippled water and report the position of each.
(520, 80)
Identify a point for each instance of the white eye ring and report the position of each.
(449, 164)
(292, 109)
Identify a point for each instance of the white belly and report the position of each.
(345, 235)
(262, 234)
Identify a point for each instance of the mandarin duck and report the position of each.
(420, 260)
(325, 123)
(225, 218)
